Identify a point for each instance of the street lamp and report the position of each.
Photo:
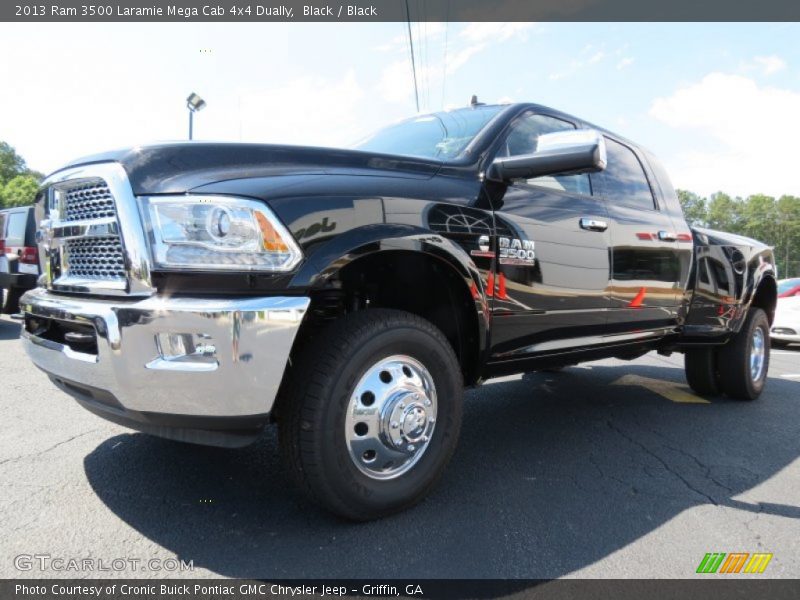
(194, 103)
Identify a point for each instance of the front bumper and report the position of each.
(225, 381)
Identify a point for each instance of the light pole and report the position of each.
(194, 103)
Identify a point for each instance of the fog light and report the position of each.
(174, 345)
(184, 352)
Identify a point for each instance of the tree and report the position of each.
(18, 183)
(20, 191)
(787, 242)
(759, 218)
(724, 213)
(694, 208)
(11, 163)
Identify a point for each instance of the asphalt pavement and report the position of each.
(608, 469)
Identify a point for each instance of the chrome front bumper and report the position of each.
(237, 350)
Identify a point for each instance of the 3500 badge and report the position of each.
(512, 251)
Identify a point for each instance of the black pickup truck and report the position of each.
(199, 291)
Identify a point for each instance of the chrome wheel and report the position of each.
(390, 417)
(758, 349)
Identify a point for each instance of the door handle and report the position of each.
(668, 236)
(593, 224)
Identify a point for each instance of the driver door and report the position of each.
(553, 272)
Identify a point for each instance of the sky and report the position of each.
(718, 103)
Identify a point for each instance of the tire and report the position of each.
(702, 374)
(327, 401)
(779, 344)
(737, 378)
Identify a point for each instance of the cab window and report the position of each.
(523, 138)
(623, 181)
(15, 230)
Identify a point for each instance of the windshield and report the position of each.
(787, 284)
(442, 135)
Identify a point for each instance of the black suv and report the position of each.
(19, 257)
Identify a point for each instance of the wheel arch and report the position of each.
(765, 296)
(406, 268)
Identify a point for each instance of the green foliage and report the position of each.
(20, 191)
(694, 208)
(11, 163)
(724, 212)
(18, 183)
(774, 222)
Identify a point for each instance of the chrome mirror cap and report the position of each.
(557, 153)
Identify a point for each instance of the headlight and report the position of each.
(218, 232)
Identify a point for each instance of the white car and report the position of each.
(786, 328)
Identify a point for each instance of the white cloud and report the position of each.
(770, 64)
(596, 57)
(495, 32)
(751, 129)
(591, 56)
(624, 63)
(396, 83)
(420, 33)
(329, 109)
(461, 57)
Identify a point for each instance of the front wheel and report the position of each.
(744, 360)
(373, 413)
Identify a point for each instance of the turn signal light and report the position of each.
(270, 237)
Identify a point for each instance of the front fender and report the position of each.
(369, 239)
(357, 243)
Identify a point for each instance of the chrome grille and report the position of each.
(95, 258)
(88, 201)
(92, 239)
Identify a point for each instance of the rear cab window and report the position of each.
(16, 226)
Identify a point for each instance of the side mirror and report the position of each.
(559, 153)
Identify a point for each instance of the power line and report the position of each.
(413, 61)
(422, 38)
(421, 50)
(426, 85)
(444, 61)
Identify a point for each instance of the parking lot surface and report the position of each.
(609, 469)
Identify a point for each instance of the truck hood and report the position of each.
(175, 168)
(720, 238)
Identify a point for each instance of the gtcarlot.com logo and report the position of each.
(734, 562)
(48, 562)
